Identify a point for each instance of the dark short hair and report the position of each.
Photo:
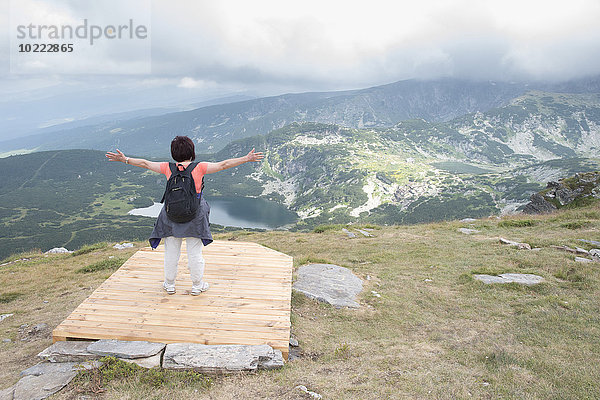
(182, 148)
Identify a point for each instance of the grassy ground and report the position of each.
(435, 332)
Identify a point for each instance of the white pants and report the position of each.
(195, 259)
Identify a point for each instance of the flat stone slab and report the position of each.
(221, 358)
(125, 348)
(7, 394)
(35, 387)
(330, 283)
(48, 367)
(583, 260)
(364, 233)
(524, 279)
(593, 242)
(518, 245)
(468, 220)
(347, 232)
(468, 231)
(146, 362)
(65, 351)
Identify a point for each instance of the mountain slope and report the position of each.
(215, 126)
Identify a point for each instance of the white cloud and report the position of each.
(328, 44)
(191, 83)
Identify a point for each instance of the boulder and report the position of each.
(468, 220)
(329, 283)
(125, 349)
(221, 358)
(524, 279)
(538, 205)
(65, 351)
(58, 250)
(119, 246)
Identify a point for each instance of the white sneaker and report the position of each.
(169, 289)
(196, 290)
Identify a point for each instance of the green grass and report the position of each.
(10, 296)
(516, 223)
(88, 248)
(116, 374)
(576, 224)
(107, 264)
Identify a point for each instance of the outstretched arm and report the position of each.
(233, 162)
(137, 162)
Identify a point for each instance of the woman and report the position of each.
(196, 231)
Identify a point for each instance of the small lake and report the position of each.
(243, 212)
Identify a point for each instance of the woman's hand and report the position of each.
(252, 156)
(116, 157)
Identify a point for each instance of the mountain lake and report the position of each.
(243, 212)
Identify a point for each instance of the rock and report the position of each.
(595, 253)
(125, 348)
(330, 283)
(4, 316)
(521, 246)
(595, 243)
(468, 231)
(294, 342)
(6, 340)
(38, 329)
(48, 367)
(374, 293)
(145, 362)
(564, 248)
(583, 260)
(313, 395)
(65, 351)
(347, 232)
(7, 394)
(122, 246)
(274, 362)
(221, 358)
(364, 233)
(58, 250)
(538, 205)
(525, 279)
(34, 387)
(579, 250)
(468, 220)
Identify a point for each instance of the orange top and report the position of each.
(197, 173)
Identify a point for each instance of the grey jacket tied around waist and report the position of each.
(198, 227)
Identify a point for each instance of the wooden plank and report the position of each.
(189, 313)
(233, 304)
(248, 301)
(176, 332)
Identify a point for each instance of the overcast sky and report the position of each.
(226, 46)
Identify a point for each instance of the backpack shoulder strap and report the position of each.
(191, 167)
(172, 167)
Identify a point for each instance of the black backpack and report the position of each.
(180, 197)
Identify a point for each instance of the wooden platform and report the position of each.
(248, 301)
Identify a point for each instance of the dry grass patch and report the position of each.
(435, 332)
